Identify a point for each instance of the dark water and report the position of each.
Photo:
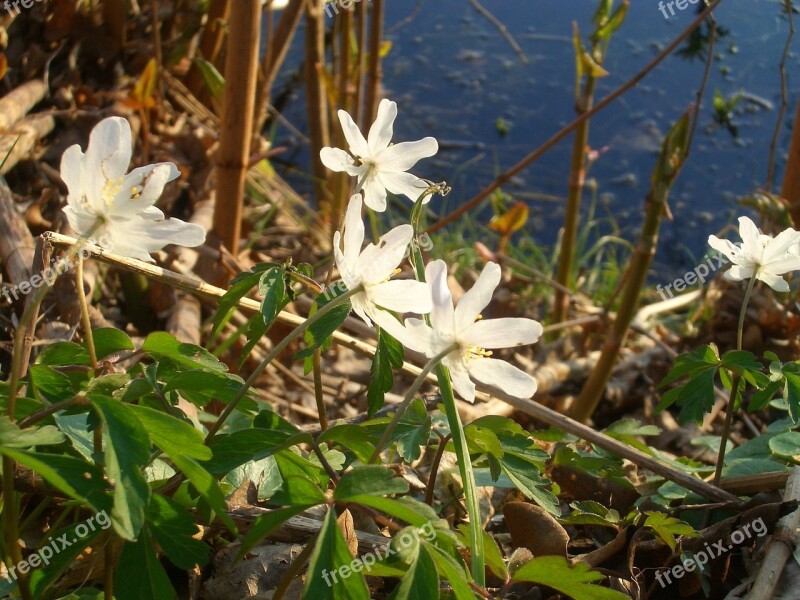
(453, 76)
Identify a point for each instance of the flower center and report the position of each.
(477, 352)
(110, 189)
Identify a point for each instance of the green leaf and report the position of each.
(11, 436)
(577, 582)
(786, 445)
(59, 561)
(231, 451)
(267, 523)
(50, 384)
(318, 333)
(369, 480)
(127, 450)
(206, 486)
(240, 287)
(63, 353)
(162, 344)
(521, 473)
(325, 579)
(388, 356)
(272, 287)
(696, 398)
(74, 477)
(140, 575)
(792, 392)
(173, 527)
(109, 340)
(201, 386)
(666, 528)
(453, 571)
(420, 581)
(354, 437)
(170, 434)
(298, 491)
(213, 79)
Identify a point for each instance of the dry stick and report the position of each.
(556, 138)
(241, 72)
(316, 99)
(529, 407)
(375, 69)
(780, 546)
(672, 156)
(501, 28)
(773, 146)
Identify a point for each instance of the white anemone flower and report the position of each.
(380, 166)
(473, 337)
(101, 188)
(767, 257)
(373, 266)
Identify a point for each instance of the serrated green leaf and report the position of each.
(666, 528)
(420, 581)
(174, 530)
(50, 384)
(231, 451)
(272, 287)
(170, 434)
(162, 344)
(74, 477)
(108, 340)
(578, 582)
(11, 436)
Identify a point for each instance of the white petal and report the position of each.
(749, 232)
(377, 262)
(80, 220)
(353, 135)
(415, 334)
(776, 282)
(393, 327)
(403, 156)
(478, 297)
(353, 232)
(147, 184)
(361, 307)
(108, 154)
(783, 265)
(402, 295)
(404, 184)
(739, 272)
(340, 161)
(779, 247)
(502, 375)
(374, 194)
(726, 247)
(138, 237)
(71, 170)
(380, 134)
(461, 382)
(501, 333)
(442, 313)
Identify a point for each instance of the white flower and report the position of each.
(473, 337)
(764, 255)
(100, 188)
(373, 267)
(382, 166)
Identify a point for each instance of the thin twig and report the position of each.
(502, 29)
(773, 146)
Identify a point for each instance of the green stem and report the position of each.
(401, 409)
(726, 426)
(467, 476)
(294, 334)
(462, 449)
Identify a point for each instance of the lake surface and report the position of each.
(453, 76)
